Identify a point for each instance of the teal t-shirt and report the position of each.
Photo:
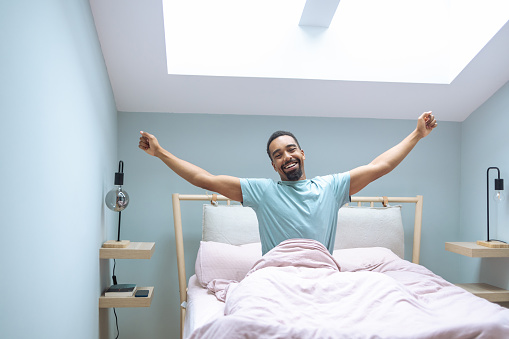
(297, 209)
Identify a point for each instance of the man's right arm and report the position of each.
(223, 184)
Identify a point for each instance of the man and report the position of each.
(294, 207)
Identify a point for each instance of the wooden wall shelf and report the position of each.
(105, 302)
(135, 250)
(471, 249)
(488, 292)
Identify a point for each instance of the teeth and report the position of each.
(290, 165)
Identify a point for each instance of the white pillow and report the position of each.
(235, 225)
(223, 261)
(371, 227)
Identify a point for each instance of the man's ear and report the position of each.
(303, 155)
(273, 166)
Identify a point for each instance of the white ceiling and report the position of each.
(132, 38)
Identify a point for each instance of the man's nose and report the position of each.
(286, 156)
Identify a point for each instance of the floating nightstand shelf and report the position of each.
(105, 302)
(488, 292)
(471, 249)
(135, 250)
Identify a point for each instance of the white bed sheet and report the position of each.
(202, 307)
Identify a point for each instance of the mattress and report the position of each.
(202, 306)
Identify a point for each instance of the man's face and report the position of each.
(287, 158)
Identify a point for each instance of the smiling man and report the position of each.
(294, 207)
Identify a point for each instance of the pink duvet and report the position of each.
(298, 290)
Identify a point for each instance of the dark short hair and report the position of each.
(278, 134)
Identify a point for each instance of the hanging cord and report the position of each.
(116, 322)
(114, 277)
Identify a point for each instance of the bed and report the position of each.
(365, 289)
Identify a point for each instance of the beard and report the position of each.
(296, 174)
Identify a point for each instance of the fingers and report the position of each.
(426, 123)
(145, 134)
(425, 115)
(143, 146)
(144, 143)
(430, 120)
(148, 137)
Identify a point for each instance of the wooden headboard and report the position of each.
(179, 240)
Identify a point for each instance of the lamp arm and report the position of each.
(119, 216)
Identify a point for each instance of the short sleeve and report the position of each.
(253, 191)
(341, 184)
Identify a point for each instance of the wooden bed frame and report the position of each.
(179, 240)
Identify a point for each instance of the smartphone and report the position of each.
(141, 293)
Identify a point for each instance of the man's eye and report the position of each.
(277, 156)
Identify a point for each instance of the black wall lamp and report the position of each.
(499, 197)
(117, 200)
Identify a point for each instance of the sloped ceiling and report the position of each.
(131, 34)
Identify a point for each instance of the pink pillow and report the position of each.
(362, 259)
(224, 261)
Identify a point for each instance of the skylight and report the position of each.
(413, 41)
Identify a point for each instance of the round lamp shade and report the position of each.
(117, 199)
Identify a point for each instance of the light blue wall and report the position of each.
(58, 157)
(485, 143)
(235, 145)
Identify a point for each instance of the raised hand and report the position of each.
(148, 143)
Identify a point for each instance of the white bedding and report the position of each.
(202, 306)
(298, 290)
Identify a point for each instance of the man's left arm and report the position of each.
(361, 176)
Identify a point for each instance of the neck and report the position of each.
(302, 177)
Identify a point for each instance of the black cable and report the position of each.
(116, 322)
(114, 283)
(505, 242)
(114, 277)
